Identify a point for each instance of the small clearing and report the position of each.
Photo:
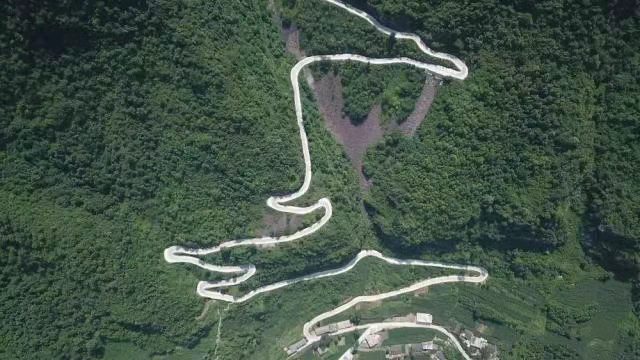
(276, 224)
(355, 139)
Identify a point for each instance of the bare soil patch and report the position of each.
(291, 37)
(205, 309)
(482, 328)
(355, 139)
(276, 224)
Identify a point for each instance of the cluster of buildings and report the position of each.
(319, 331)
(476, 346)
(425, 350)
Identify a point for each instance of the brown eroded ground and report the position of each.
(356, 139)
(291, 38)
(276, 224)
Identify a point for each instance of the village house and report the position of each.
(470, 340)
(478, 342)
(373, 340)
(424, 318)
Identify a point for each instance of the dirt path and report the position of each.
(423, 104)
(205, 310)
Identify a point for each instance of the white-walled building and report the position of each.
(429, 346)
(424, 318)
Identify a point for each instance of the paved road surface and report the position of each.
(178, 254)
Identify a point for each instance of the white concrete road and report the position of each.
(178, 254)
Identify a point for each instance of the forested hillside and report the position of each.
(128, 126)
(529, 166)
(544, 130)
(125, 128)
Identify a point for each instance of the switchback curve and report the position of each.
(178, 254)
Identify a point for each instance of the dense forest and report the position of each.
(545, 125)
(127, 128)
(132, 125)
(546, 128)
(532, 160)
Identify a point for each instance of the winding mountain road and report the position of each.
(178, 254)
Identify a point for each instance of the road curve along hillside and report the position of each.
(207, 289)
